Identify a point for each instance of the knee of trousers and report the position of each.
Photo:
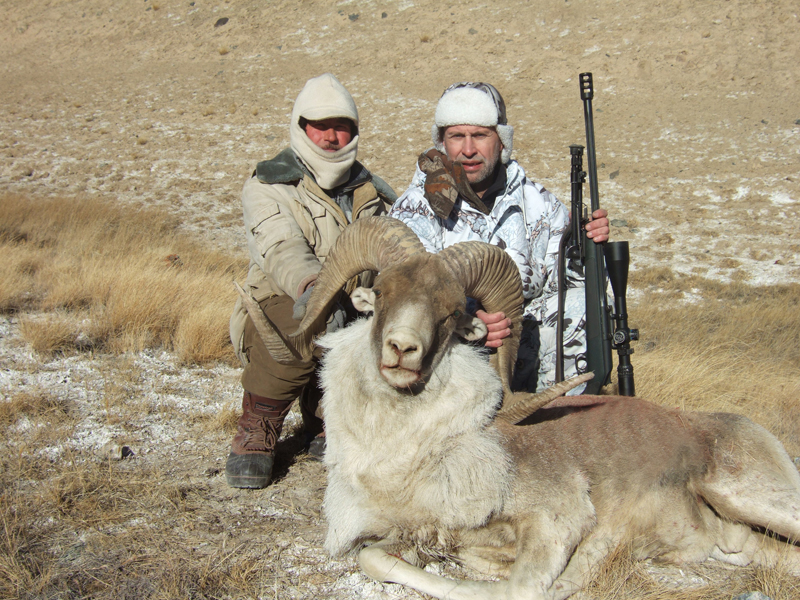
(263, 375)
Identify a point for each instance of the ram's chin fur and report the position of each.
(435, 473)
(402, 379)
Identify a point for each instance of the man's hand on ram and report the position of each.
(337, 319)
(498, 325)
(299, 308)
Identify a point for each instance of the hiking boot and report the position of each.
(253, 448)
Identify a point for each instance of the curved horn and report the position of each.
(369, 244)
(491, 277)
(281, 349)
(520, 405)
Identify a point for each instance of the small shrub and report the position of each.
(48, 334)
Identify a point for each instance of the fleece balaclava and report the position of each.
(469, 103)
(323, 98)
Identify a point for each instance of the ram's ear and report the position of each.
(363, 299)
(470, 328)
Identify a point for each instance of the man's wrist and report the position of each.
(306, 283)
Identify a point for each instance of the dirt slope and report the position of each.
(696, 111)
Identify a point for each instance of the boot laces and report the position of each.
(263, 433)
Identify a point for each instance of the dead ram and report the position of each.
(430, 454)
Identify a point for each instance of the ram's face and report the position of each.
(418, 307)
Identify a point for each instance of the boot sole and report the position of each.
(247, 483)
(249, 471)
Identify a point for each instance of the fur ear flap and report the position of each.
(470, 328)
(363, 299)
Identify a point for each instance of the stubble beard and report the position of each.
(480, 180)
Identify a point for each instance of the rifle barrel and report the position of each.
(587, 93)
(598, 327)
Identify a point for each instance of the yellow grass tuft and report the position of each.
(622, 577)
(50, 333)
(33, 405)
(97, 275)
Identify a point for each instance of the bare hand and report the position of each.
(598, 228)
(499, 327)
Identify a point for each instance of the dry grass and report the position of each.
(85, 527)
(84, 535)
(86, 276)
(89, 274)
(736, 351)
(622, 577)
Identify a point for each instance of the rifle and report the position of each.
(590, 260)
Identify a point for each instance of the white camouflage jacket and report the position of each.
(526, 220)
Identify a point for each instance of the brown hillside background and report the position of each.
(696, 108)
(151, 104)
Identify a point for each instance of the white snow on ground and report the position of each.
(166, 392)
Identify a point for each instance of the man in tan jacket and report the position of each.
(295, 206)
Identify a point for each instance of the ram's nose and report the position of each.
(403, 347)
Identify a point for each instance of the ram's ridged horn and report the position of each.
(280, 349)
(489, 275)
(520, 405)
(369, 244)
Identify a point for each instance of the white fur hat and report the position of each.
(324, 97)
(469, 103)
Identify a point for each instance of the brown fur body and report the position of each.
(594, 472)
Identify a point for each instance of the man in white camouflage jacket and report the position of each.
(468, 188)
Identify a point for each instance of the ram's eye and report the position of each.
(457, 313)
(377, 293)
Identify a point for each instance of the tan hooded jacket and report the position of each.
(290, 221)
(290, 229)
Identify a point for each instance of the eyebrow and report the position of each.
(463, 133)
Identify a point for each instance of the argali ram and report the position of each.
(430, 454)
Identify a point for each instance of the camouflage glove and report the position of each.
(337, 319)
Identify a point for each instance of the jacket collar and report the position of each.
(510, 196)
(286, 168)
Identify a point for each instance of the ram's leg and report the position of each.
(489, 560)
(754, 481)
(545, 542)
(587, 556)
(759, 549)
(381, 561)
(490, 550)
